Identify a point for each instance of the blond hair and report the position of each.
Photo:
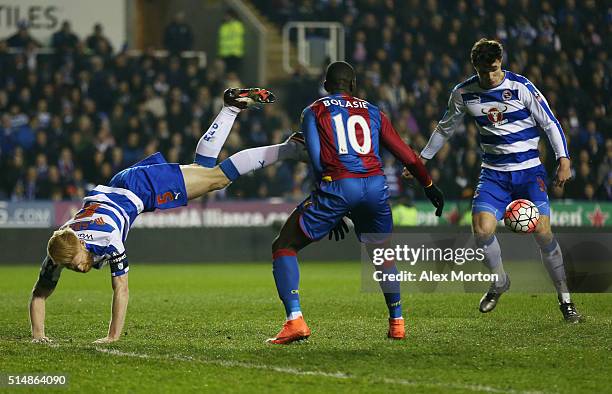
(63, 246)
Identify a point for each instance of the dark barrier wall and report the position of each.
(207, 244)
(180, 245)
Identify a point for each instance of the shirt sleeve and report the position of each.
(394, 144)
(118, 264)
(446, 127)
(535, 102)
(308, 127)
(49, 273)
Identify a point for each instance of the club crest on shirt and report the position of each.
(506, 95)
(495, 115)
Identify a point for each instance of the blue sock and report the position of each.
(205, 161)
(391, 290)
(229, 169)
(287, 277)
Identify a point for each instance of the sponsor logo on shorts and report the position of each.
(541, 184)
(167, 197)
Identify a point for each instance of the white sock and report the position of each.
(212, 141)
(294, 315)
(253, 159)
(565, 297)
(493, 260)
(552, 258)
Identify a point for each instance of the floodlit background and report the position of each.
(88, 88)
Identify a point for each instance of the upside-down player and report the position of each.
(94, 237)
(509, 112)
(344, 136)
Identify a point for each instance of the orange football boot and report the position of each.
(293, 330)
(396, 329)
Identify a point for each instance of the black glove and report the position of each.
(339, 231)
(436, 197)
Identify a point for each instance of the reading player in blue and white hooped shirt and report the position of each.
(509, 112)
(95, 236)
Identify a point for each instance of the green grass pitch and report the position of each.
(201, 328)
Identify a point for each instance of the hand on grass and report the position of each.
(105, 340)
(42, 339)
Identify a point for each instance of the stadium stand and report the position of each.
(72, 118)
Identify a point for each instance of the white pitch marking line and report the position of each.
(294, 371)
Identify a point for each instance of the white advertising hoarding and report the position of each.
(45, 17)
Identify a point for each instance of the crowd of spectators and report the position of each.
(74, 118)
(409, 55)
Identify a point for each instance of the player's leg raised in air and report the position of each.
(175, 184)
(204, 175)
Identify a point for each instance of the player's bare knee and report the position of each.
(483, 228)
(543, 227)
(543, 232)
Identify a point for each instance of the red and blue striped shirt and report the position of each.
(344, 135)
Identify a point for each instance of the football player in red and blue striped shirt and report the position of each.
(344, 136)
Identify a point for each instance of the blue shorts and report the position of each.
(497, 189)
(159, 184)
(364, 200)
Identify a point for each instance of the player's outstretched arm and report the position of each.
(446, 127)
(121, 295)
(40, 293)
(394, 143)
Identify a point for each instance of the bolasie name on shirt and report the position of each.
(346, 104)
